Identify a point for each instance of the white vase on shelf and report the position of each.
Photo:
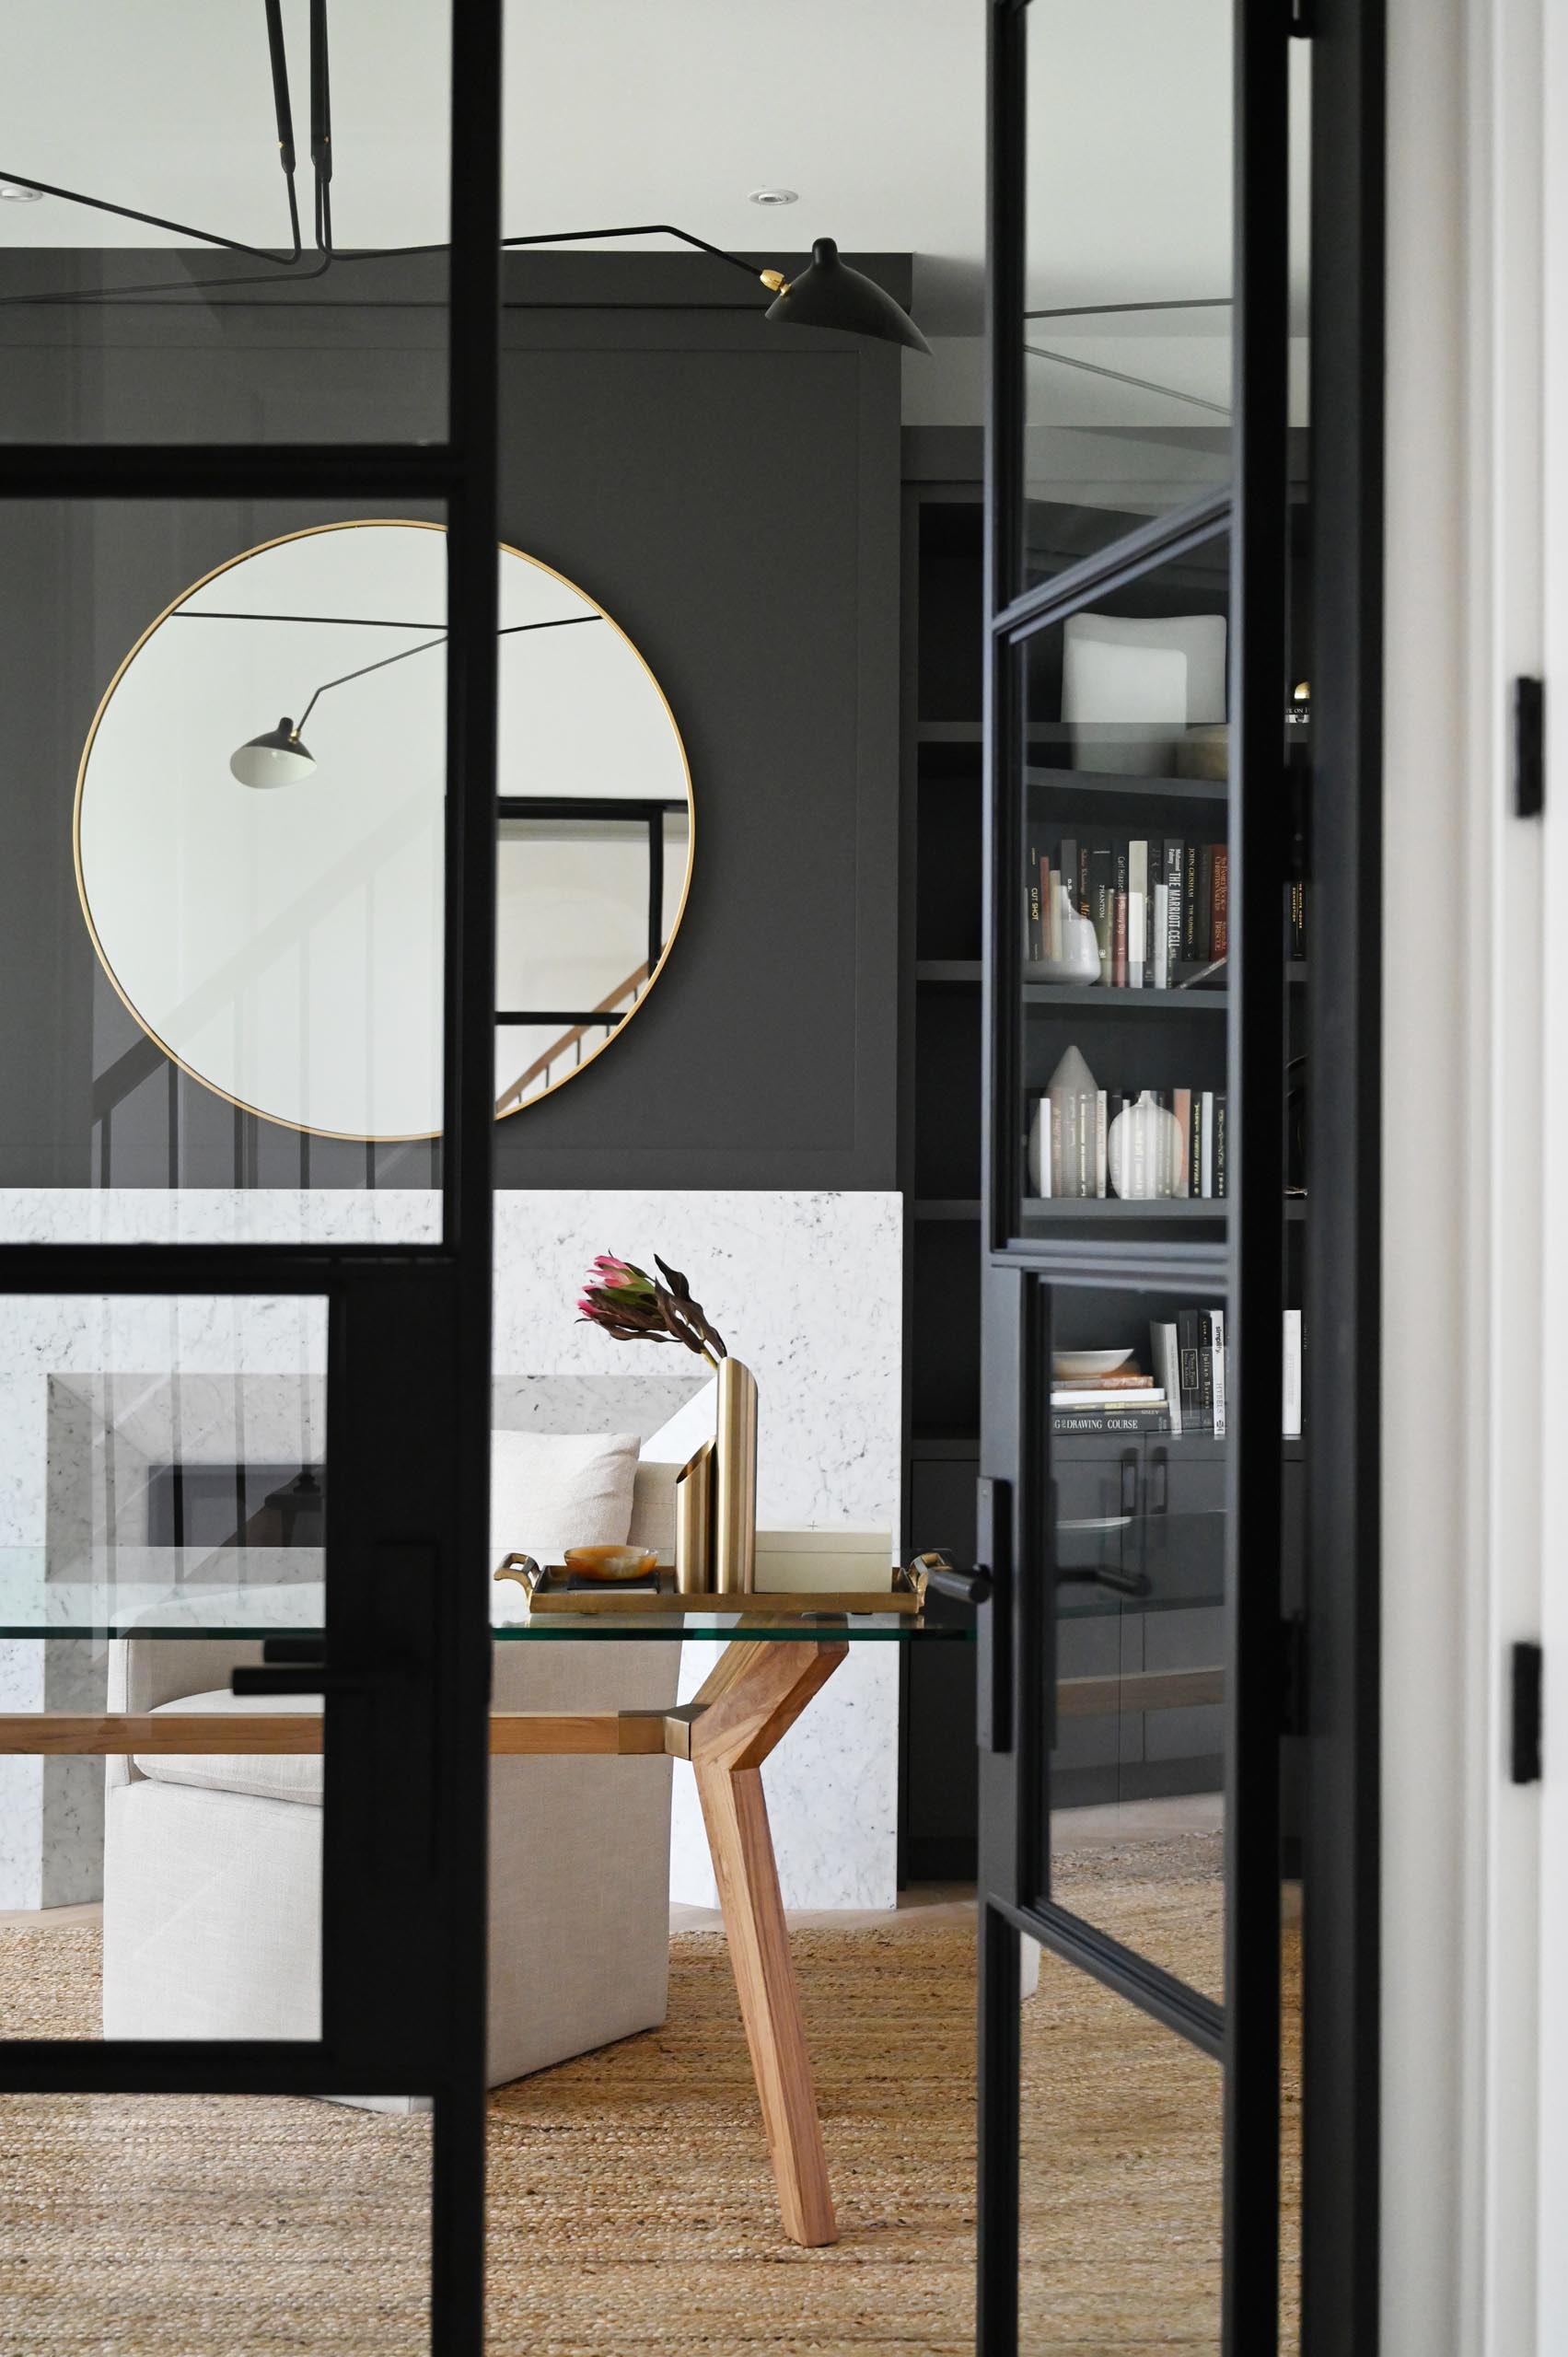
(1141, 1151)
(1075, 1096)
(1077, 958)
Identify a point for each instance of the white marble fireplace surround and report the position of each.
(96, 1395)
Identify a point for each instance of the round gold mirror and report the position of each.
(259, 830)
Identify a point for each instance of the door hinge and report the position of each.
(1524, 1742)
(1292, 1673)
(1529, 748)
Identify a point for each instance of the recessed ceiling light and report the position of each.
(775, 196)
(11, 192)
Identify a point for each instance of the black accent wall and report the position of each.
(727, 490)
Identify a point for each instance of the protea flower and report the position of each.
(634, 1308)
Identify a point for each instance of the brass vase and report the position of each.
(694, 1523)
(735, 1483)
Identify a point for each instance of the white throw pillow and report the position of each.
(551, 1490)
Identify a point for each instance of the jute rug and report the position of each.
(631, 2203)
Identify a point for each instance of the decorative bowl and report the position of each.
(1072, 1365)
(610, 1562)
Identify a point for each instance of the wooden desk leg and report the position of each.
(757, 1691)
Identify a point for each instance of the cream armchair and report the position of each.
(212, 1865)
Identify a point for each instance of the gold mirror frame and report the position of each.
(360, 523)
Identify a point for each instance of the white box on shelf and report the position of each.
(849, 1563)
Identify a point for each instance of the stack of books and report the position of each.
(1127, 1401)
(1189, 1355)
(1068, 1156)
(1160, 909)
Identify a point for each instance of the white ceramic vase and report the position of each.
(1073, 1094)
(1141, 1151)
(1078, 960)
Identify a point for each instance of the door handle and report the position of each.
(1129, 1482)
(1161, 1465)
(294, 1666)
(967, 1587)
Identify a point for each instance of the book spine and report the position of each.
(1173, 869)
(1076, 1420)
(1102, 1180)
(1102, 907)
(1051, 908)
(1189, 907)
(1206, 1370)
(1137, 914)
(1181, 1177)
(1162, 937)
(1168, 1368)
(1221, 920)
(1085, 1141)
(1221, 1183)
(1216, 1322)
(1119, 929)
(1195, 1147)
(1206, 1166)
(1034, 934)
(1085, 905)
(1298, 919)
(1205, 904)
(1068, 870)
(1054, 1161)
(1291, 1420)
(1188, 1343)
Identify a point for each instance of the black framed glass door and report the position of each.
(258, 1382)
(1138, 982)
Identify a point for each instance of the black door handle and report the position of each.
(294, 1666)
(967, 1586)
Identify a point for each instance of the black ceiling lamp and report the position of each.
(828, 293)
(280, 756)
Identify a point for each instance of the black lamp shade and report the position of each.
(831, 295)
(277, 758)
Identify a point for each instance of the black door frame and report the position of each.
(1340, 1837)
(406, 1672)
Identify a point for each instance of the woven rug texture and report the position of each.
(631, 2207)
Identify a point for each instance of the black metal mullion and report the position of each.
(1172, 2002)
(461, 1695)
(202, 1268)
(1156, 542)
(209, 470)
(656, 889)
(1258, 810)
(1340, 1834)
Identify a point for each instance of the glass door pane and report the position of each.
(1121, 910)
(1127, 279)
(1140, 1424)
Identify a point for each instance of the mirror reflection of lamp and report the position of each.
(280, 756)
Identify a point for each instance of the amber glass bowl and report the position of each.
(610, 1562)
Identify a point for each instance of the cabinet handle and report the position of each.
(1162, 1467)
(1130, 1481)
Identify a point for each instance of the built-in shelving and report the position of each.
(1150, 1211)
(1096, 1000)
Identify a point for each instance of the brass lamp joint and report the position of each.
(774, 280)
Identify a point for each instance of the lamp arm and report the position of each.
(563, 622)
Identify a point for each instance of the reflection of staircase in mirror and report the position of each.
(610, 1011)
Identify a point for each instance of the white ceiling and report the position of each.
(624, 109)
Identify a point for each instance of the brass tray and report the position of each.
(550, 1588)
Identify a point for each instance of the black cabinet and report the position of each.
(1139, 1573)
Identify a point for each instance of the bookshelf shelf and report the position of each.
(1166, 1209)
(1094, 999)
(946, 1207)
(1091, 783)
